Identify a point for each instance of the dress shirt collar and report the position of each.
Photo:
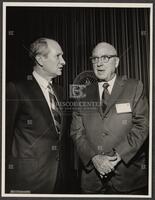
(111, 84)
(41, 81)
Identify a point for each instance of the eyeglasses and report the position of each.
(104, 59)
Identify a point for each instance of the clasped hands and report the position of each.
(104, 164)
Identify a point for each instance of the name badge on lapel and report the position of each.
(123, 108)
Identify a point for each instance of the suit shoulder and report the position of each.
(13, 89)
(134, 86)
(131, 81)
(19, 83)
(21, 86)
(14, 85)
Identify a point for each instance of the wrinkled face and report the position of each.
(53, 63)
(104, 67)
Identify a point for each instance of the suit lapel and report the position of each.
(42, 105)
(93, 96)
(116, 91)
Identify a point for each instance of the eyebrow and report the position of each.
(58, 54)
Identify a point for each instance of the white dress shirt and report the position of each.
(43, 83)
(111, 84)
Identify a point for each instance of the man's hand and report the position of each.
(104, 164)
(115, 162)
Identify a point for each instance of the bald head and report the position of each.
(106, 48)
(105, 61)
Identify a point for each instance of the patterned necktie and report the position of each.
(105, 96)
(55, 109)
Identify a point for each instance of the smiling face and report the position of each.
(105, 70)
(51, 64)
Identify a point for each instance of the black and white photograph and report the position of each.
(77, 95)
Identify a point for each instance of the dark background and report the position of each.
(78, 30)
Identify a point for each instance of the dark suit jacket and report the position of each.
(124, 131)
(33, 147)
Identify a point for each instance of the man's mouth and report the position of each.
(100, 70)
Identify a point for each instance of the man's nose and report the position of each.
(62, 61)
(100, 63)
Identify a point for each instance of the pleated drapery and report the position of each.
(78, 30)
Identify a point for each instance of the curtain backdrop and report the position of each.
(78, 30)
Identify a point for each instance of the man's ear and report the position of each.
(116, 62)
(39, 60)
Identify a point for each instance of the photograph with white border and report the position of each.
(62, 135)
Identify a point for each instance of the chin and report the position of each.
(101, 77)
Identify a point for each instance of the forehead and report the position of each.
(104, 49)
(54, 47)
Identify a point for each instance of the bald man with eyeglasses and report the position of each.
(111, 135)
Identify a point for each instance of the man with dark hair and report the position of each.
(34, 125)
(110, 136)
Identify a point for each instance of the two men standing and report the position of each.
(109, 137)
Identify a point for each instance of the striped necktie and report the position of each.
(105, 96)
(55, 109)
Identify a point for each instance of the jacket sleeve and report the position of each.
(12, 104)
(133, 140)
(79, 137)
